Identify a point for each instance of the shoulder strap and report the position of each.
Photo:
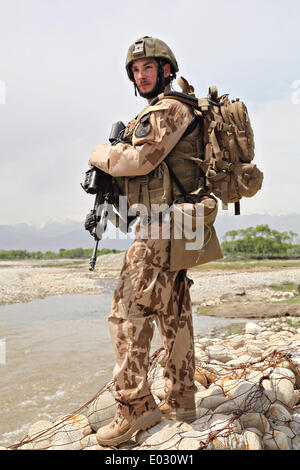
(202, 104)
(191, 126)
(187, 196)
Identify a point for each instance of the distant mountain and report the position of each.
(55, 235)
(70, 234)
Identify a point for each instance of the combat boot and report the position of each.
(187, 415)
(123, 427)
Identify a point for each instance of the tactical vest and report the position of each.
(158, 187)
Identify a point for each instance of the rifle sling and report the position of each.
(180, 185)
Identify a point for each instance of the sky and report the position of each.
(63, 84)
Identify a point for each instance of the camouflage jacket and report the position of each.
(169, 120)
(155, 133)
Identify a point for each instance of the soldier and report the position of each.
(153, 285)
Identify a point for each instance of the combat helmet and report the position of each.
(148, 46)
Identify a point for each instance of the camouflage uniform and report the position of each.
(169, 119)
(148, 290)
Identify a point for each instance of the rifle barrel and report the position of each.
(94, 256)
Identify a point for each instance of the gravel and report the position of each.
(210, 285)
(22, 281)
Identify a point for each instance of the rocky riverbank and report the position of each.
(247, 292)
(248, 382)
(23, 281)
(248, 398)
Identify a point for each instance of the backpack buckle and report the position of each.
(223, 127)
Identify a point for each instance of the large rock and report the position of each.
(101, 410)
(248, 440)
(241, 359)
(277, 414)
(255, 421)
(252, 440)
(295, 443)
(41, 433)
(215, 429)
(295, 422)
(220, 354)
(69, 432)
(88, 441)
(276, 440)
(210, 398)
(237, 341)
(280, 389)
(201, 376)
(164, 436)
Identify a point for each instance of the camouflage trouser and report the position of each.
(147, 292)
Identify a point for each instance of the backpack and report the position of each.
(228, 144)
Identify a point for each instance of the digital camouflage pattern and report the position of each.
(148, 291)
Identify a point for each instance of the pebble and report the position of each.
(252, 328)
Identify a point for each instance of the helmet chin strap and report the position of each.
(161, 82)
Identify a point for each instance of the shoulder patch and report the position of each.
(144, 127)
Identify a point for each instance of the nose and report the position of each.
(140, 74)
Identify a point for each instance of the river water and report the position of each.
(58, 355)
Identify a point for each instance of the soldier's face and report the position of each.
(145, 74)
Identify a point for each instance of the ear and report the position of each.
(167, 70)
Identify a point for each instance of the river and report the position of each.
(58, 355)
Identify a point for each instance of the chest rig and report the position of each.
(161, 186)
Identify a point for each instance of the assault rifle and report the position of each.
(101, 184)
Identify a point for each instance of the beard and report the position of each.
(159, 87)
(150, 94)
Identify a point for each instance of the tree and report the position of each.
(260, 241)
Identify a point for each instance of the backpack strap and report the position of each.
(201, 104)
(191, 127)
(187, 196)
